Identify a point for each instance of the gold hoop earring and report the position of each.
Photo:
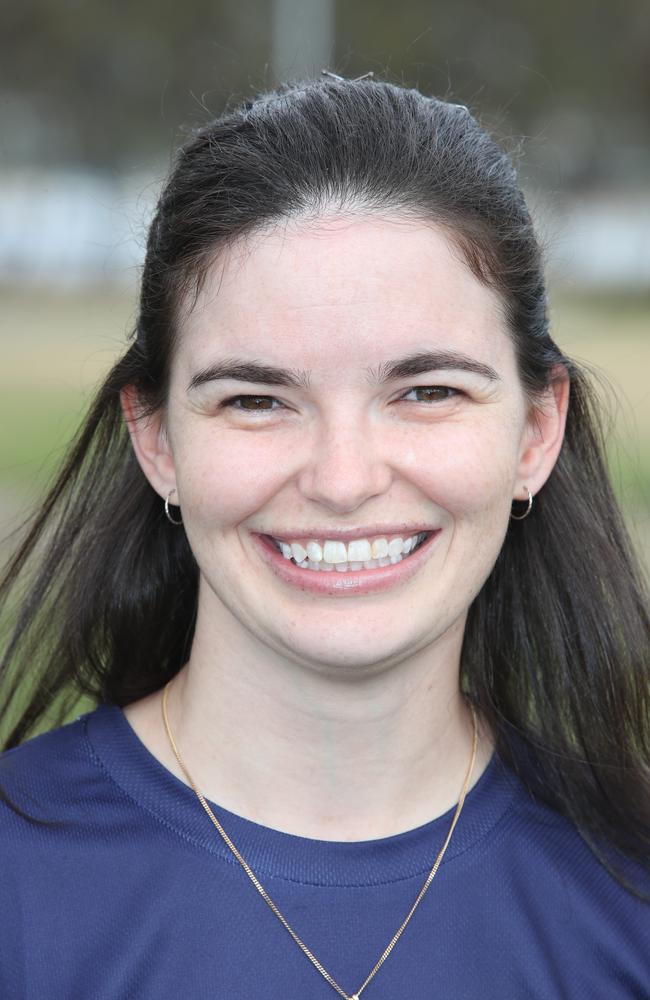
(169, 517)
(520, 517)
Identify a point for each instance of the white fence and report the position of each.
(598, 241)
(70, 229)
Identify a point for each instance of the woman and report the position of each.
(336, 554)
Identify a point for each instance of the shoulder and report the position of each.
(556, 868)
(48, 776)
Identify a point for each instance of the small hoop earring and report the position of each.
(520, 517)
(169, 517)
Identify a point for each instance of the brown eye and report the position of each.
(433, 393)
(258, 403)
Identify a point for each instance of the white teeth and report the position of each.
(379, 548)
(359, 550)
(335, 552)
(314, 551)
(395, 547)
(299, 554)
(358, 554)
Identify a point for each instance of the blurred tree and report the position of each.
(575, 73)
(101, 81)
(108, 84)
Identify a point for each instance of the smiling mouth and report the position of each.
(383, 553)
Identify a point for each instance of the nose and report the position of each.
(346, 465)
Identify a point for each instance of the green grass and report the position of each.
(611, 336)
(33, 446)
(55, 350)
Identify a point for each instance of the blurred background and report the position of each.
(94, 97)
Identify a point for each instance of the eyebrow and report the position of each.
(297, 378)
(426, 361)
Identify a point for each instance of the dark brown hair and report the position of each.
(555, 653)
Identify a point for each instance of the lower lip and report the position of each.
(350, 584)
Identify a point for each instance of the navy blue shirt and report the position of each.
(135, 895)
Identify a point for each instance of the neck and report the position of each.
(316, 754)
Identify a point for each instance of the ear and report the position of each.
(543, 435)
(150, 442)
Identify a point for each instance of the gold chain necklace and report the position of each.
(267, 898)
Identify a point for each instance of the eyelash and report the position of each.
(230, 403)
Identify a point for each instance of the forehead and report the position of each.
(341, 289)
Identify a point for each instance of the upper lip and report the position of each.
(349, 534)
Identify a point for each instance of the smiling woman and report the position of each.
(284, 558)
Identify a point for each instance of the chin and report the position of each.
(352, 652)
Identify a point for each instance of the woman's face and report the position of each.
(342, 444)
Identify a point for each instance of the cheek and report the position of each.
(224, 478)
(467, 471)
